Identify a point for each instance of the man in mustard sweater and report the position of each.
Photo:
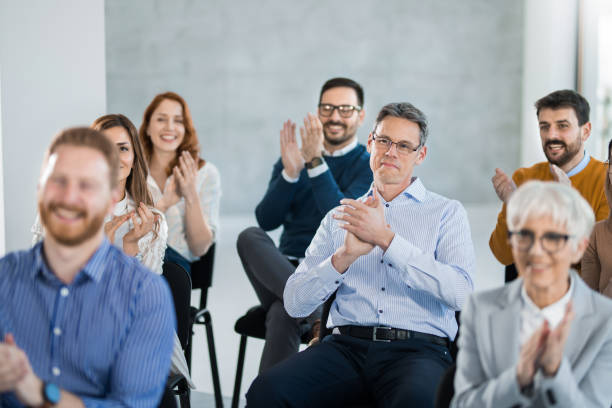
(563, 118)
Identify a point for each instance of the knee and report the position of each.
(246, 237)
(277, 316)
(265, 392)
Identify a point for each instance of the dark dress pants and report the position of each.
(268, 271)
(345, 370)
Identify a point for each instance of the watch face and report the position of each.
(52, 393)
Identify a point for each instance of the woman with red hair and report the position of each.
(185, 187)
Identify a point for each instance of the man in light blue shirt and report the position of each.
(400, 260)
(81, 323)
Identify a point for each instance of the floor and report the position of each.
(231, 295)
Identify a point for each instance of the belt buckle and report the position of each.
(375, 329)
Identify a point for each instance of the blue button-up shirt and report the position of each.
(106, 337)
(417, 284)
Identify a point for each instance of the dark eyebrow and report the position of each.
(123, 143)
(563, 121)
(399, 141)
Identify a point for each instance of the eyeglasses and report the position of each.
(550, 242)
(345, 111)
(386, 143)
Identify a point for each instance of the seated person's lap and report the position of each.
(343, 369)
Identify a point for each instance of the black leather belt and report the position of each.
(380, 333)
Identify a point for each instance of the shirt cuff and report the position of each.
(329, 276)
(289, 179)
(320, 169)
(399, 251)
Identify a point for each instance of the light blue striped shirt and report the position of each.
(417, 284)
(106, 337)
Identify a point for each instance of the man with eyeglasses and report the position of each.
(563, 118)
(400, 261)
(307, 182)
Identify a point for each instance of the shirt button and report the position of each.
(56, 371)
(391, 265)
(381, 261)
(386, 205)
(57, 331)
(380, 311)
(383, 289)
(64, 291)
(337, 282)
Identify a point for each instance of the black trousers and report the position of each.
(343, 370)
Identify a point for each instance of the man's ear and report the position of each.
(361, 116)
(421, 155)
(585, 131)
(369, 145)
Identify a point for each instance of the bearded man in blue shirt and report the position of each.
(81, 323)
(400, 261)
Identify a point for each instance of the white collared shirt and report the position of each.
(532, 316)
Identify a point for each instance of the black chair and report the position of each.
(180, 285)
(253, 324)
(201, 277)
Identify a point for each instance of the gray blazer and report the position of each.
(489, 351)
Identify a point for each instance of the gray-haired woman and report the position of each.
(546, 339)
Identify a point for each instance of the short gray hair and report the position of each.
(562, 203)
(405, 110)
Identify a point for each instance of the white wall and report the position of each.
(53, 76)
(549, 63)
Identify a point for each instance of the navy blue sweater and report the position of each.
(299, 207)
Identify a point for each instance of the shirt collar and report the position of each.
(416, 190)
(94, 268)
(553, 313)
(343, 151)
(580, 166)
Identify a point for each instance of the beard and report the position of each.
(70, 235)
(335, 141)
(571, 151)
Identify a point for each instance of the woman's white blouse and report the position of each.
(208, 186)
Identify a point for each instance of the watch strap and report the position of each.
(315, 162)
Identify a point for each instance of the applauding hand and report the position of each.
(292, 159)
(503, 185)
(110, 228)
(312, 137)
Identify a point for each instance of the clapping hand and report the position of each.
(559, 175)
(503, 185)
(16, 373)
(366, 220)
(544, 349)
(110, 228)
(555, 342)
(185, 174)
(143, 221)
(292, 159)
(312, 137)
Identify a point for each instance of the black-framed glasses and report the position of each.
(550, 242)
(345, 111)
(386, 143)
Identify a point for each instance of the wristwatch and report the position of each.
(51, 395)
(317, 161)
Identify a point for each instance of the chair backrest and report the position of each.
(180, 285)
(202, 272)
